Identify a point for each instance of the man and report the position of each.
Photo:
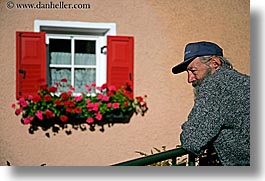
(220, 116)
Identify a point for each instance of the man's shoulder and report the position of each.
(228, 75)
(226, 79)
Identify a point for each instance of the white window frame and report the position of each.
(99, 73)
(88, 30)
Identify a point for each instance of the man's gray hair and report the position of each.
(225, 62)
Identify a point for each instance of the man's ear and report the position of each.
(216, 63)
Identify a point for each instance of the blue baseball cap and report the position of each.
(197, 49)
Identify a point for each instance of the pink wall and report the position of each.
(161, 29)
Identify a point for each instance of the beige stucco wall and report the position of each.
(161, 29)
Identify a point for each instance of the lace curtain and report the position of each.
(82, 76)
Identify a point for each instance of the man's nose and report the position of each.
(191, 77)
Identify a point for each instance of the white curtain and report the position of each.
(82, 76)
(85, 59)
(57, 74)
(80, 58)
(61, 58)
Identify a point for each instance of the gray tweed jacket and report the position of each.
(221, 117)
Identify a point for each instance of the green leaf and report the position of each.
(141, 153)
(157, 149)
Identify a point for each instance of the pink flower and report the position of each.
(28, 119)
(104, 86)
(116, 105)
(105, 98)
(95, 108)
(93, 84)
(100, 96)
(112, 88)
(18, 111)
(30, 97)
(22, 102)
(99, 116)
(78, 98)
(109, 105)
(39, 115)
(99, 88)
(88, 88)
(90, 106)
(72, 88)
(90, 120)
(13, 106)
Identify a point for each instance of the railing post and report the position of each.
(174, 161)
(191, 158)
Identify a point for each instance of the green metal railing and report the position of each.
(170, 154)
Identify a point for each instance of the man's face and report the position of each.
(197, 71)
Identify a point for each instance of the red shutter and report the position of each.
(120, 55)
(31, 63)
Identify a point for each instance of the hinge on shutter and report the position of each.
(103, 50)
(23, 72)
(130, 76)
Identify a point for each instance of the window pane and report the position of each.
(84, 76)
(85, 52)
(57, 74)
(60, 51)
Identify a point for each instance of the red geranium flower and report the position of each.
(13, 106)
(36, 99)
(126, 104)
(28, 119)
(71, 104)
(69, 110)
(78, 110)
(64, 118)
(49, 114)
(64, 80)
(139, 99)
(53, 89)
(18, 111)
(58, 102)
(47, 98)
(64, 96)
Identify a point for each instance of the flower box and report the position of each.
(53, 109)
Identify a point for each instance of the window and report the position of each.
(72, 50)
(74, 58)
